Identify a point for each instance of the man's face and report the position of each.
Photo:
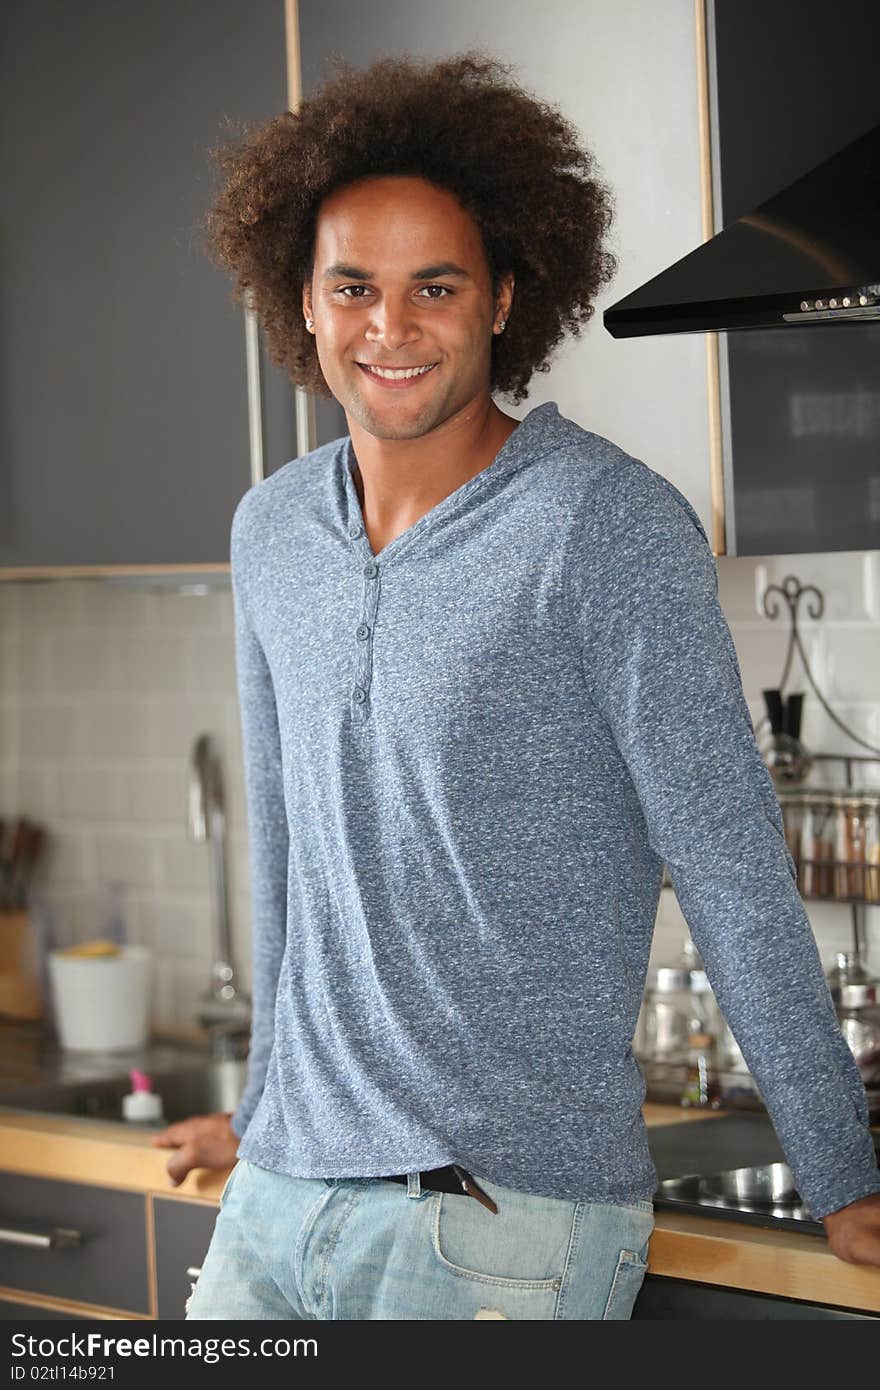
(401, 280)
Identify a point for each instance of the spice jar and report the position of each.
(872, 847)
(808, 872)
(792, 805)
(823, 845)
(840, 881)
(816, 867)
(849, 854)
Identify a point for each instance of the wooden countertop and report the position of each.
(703, 1249)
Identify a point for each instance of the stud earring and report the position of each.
(310, 323)
(502, 325)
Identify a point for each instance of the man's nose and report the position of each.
(393, 324)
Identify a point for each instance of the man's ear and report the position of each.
(505, 296)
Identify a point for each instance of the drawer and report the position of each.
(183, 1234)
(29, 1312)
(662, 1298)
(106, 1265)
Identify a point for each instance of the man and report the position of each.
(486, 691)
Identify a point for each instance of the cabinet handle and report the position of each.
(60, 1238)
(254, 387)
(306, 432)
(194, 1271)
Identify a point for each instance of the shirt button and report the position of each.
(356, 531)
(360, 694)
(363, 632)
(371, 569)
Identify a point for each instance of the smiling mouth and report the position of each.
(397, 375)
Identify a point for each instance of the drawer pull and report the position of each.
(194, 1271)
(60, 1238)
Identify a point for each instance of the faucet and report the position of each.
(223, 1009)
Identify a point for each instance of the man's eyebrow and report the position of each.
(428, 272)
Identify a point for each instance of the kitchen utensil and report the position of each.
(21, 846)
(767, 1182)
(787, 759)
(102, 1003)
(21, 992)
(791, 723)
(773, 703)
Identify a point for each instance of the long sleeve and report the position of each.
(661, 668)
(268, 840)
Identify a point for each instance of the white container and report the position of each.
(102, 1003)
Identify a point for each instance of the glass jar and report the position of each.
(702, 1085)
(816, 845)
(824, 812)
(793, 805)
(847, 969)
(667, 1011)
(806, 858)
(699, 985)
(861, 1030)
(872, 847)
(849, 845)
(729, 1052)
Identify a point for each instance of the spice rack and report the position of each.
(833, 835)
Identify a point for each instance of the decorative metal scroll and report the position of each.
(792, 591)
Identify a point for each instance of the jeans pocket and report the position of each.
(524, 1245)
(632, 1266)
(228, 1182)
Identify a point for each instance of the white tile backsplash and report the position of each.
(104, 690)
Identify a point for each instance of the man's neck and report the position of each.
(399, 480)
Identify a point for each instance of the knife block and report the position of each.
(21, 996)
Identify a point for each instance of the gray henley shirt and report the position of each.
(467, 759)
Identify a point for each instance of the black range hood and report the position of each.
(809, 255)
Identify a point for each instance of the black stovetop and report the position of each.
(690, 1158)
(703, 1196)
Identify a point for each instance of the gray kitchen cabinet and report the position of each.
(75, 1241)
(183, 1234)
(29, 1312)
(799, 406)
(662, 1299)
(126, 437)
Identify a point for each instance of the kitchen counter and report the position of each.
(706, 1250)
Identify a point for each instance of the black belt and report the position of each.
(452, 1178)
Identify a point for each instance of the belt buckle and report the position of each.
(472, 1189)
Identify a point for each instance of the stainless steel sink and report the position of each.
(190, 1088)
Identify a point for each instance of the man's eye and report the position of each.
(344, 288)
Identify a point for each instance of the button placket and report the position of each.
(363, 635)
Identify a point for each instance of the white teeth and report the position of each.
(395, 375)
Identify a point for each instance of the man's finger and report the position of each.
(179, 1133)
(180, 1163)
(865, 1249)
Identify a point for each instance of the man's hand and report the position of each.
(854, 1231)
(202, 1141)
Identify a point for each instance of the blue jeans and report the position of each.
(363, 1248)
